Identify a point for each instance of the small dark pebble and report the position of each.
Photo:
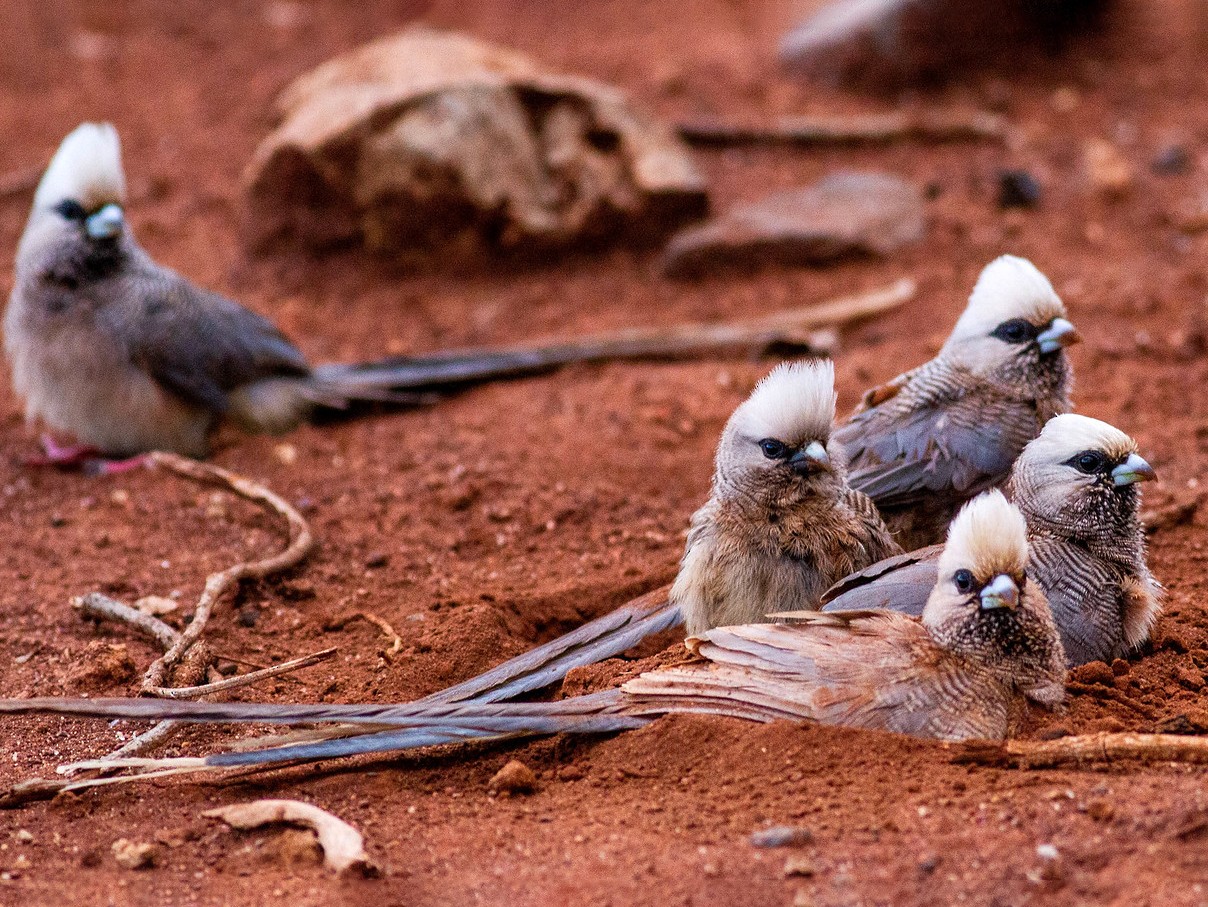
(248, 615)
(57, 521)
(1018, 189)
(929, 864)
(781, 836)
(1172, 160)
(377, 560)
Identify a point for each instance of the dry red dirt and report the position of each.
(508, 514)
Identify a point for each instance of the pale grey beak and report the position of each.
(1000, 592)
(1134, 469)
(105, 223)
(1060, 333)
(811, 457)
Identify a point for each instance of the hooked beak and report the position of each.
(1134, 469)
(1000, 592)
(811, 458)
(105, 223)
(1058, 335)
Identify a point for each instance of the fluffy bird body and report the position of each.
(782, 524)
(984, 647)
(1076, 485)
(936, 436)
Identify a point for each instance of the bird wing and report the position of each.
(932, 435)
(196, 344)
(901, 583)
(873, 670)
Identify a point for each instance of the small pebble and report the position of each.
(781, 836)
(1047, 852)
(24, 836)
(514, 778)
(134, 855)
(1018, 189)
(798, 865)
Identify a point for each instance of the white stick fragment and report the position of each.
(343, 846)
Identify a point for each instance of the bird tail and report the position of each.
(604, 637)
(359, 729)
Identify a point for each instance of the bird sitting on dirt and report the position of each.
(125, 356)
(1076, 485)
(985, 645)
(936, 436)
(782, 524)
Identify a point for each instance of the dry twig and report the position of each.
(860, 129)
(179, 644)
(1084, 749)
(217, 584)
(342, 845)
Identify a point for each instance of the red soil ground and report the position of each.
(508, 514)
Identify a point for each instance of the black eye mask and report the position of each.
(1017, 330)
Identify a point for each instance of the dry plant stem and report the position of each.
(103, 607)
(877, 128)
(1087, 748)
(217, 584)
(242, 680)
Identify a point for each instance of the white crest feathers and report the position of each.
(1070, 433)
(87, 168)
(1008, 287)
(794, 402)
(988, 537)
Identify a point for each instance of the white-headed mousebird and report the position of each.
(984, 646)
(125, 356)
(936, 436)
(781, 523)
(1077, 486)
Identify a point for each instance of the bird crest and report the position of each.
(794, 402)
(1009, 287)
(87, 169)
(989, 537)
(1066, 435)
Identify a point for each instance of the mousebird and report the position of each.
(124, 356)
(984, 647)
(781, 523)
(934, 437)
(1077, 485)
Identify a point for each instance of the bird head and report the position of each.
(982, 605)
(777, 440)
(1080, 477)
(81, 195)
(1014, 328)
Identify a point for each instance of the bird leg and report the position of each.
(87, 459)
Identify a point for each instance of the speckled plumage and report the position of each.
(934, 437)
(1086, 542)
(960, 672)
(771, 538)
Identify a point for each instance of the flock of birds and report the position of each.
(870, 574)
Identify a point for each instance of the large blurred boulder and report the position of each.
(431, 141)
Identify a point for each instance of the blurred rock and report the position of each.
(1171, 160)
(1018, 189)
(847, 213)
(432, 141)
(889, 42)
(1108, 172)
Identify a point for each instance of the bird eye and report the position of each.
(70, 209)
(1089, 462)
(1017, 330)
(964, 581)
(772, 449)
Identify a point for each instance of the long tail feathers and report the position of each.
(604, 637)
(473, 710)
